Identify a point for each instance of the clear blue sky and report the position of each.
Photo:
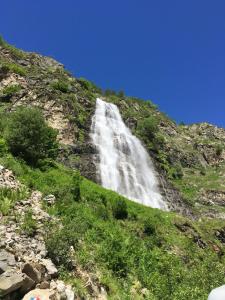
(169, 51)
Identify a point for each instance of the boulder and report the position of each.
(50, 199)
(42, 294)
(50, 267)
(7, 260)
(28, 284)
(44, 285)
(10, 282)
(32, 271)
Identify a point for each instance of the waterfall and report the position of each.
(124, 165)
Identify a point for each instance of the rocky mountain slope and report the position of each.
(191, 165)
(181, 153)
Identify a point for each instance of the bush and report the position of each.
(75, 189)
(88, 85)
(11, 89)
(149, 227)
(9, 197)
(59, 243)
(29, 137)
(14, 68)
(2, 42)
(148, 127)
(177, 172)
(219, 149)
(120, 209)
(8, 92)
(121, 94)
(3, 146)
(29, 225)
(61, 86)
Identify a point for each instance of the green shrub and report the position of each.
(176, 172)
(14, 68)
(9, 197)
(29, 137)
(61, 86)
(120, 209)
(149, 227)
(14, 51)
(75, 189)
(219, 149)
(2, 42)
(29, 224)
(88, 85)
(148, 127)
(3, 146)
(121, 94)
(11, 89)
(5, 205)
(59, 243)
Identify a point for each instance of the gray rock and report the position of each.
(28, 284)
(50, 199)
(10, 282)
(31, 271)
(44, 285)
(50, 267)
(7, 260)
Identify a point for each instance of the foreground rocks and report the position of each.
(25, 269)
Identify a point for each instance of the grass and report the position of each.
(133, 251)
(9, 197)
(29, 224)
(62, 86)
(11, 89)
(14, 68)
(165, 254)
(17, 53)
(195, 181)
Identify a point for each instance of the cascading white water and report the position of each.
(124, 164)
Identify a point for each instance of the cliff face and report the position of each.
(190, 159)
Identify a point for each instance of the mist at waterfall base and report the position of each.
(124, 165)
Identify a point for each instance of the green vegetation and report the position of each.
(9, 91)
(9, 197)
(219, 149)
(61, 86)
(14, 68)
(16, 52)
(134, 251)
(129, 246)
(195, 181)
(88, 85)
(3, 146)
(29, 224)
(29, 137)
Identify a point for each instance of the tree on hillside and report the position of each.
(29, 137)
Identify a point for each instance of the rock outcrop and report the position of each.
(24, 264)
